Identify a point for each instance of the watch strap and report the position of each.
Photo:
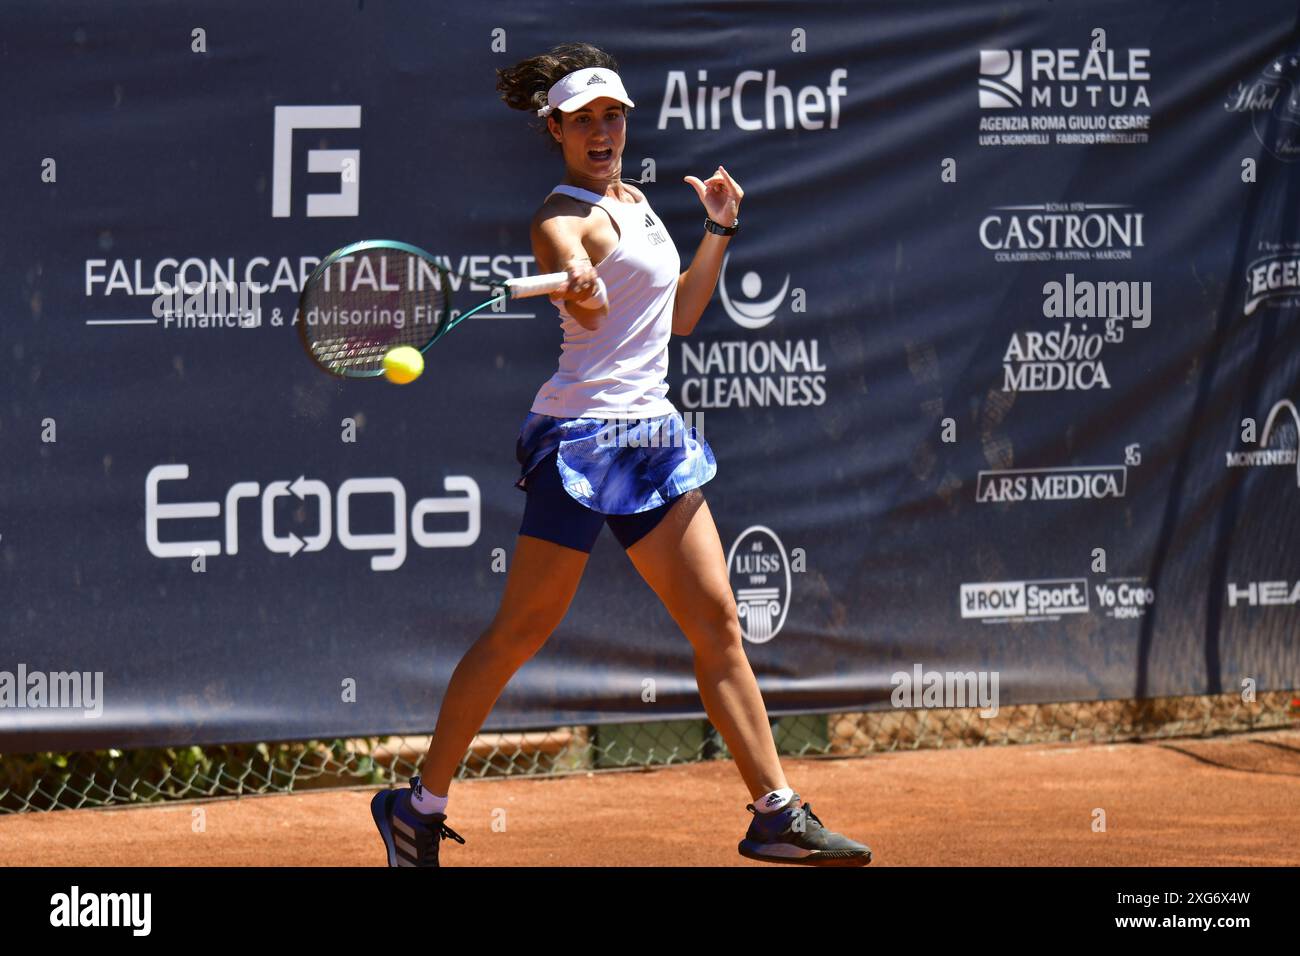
(720, 230)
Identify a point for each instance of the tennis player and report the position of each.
(603, 444)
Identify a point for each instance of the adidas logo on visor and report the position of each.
(595, 79)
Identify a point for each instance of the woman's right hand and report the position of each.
(582, 285)
(582, 282)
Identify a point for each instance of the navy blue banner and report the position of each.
(1000, 375)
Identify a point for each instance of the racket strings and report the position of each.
(352, 315)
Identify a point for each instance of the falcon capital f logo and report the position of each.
(345, 162)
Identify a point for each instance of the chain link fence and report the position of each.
(58, 781)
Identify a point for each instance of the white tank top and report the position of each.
(619, 370)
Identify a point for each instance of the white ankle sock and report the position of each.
(774, 801)
(425, 802)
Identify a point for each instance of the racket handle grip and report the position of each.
(536, 285)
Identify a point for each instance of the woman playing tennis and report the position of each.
(588, 459)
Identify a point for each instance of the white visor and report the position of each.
(576, 90)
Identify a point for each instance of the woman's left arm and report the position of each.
(721, 197)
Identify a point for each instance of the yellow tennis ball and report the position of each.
(403, 364)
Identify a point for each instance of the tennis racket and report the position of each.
(370, 297)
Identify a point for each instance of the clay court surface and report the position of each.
(1231, 800)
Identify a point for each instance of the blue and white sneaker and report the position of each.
(793, 834)
(411, 838)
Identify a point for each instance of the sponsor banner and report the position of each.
(1051, 484)
(1277, 443)
(1273, 279)
(1263, 593)
(1003, 601)
(1267, 96)
(1124, 598)
(1001, 302)
(1045, 96)
(1063, 232)
(1006, 601)
(760, 580)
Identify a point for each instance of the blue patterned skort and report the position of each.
(618, 467)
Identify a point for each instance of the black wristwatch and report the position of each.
(721, 230)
